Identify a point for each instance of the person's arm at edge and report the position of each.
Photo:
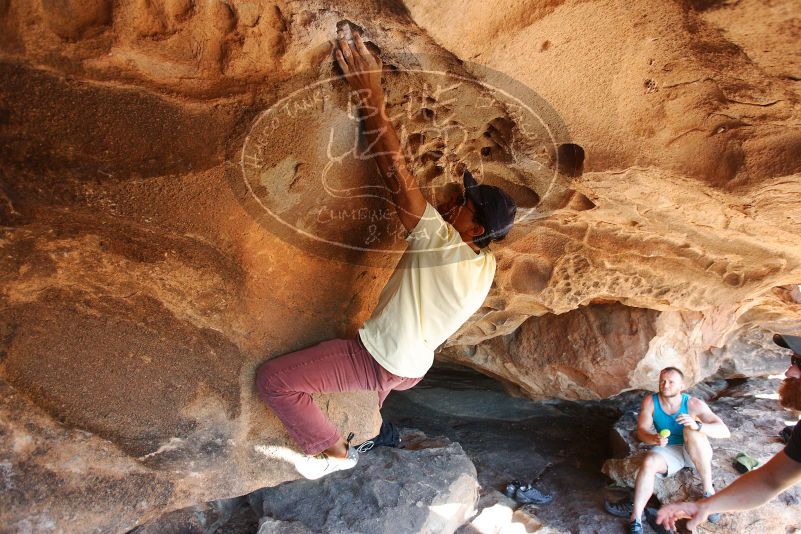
(363, 72)
(751, 490)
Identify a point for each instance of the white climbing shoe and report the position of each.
(314, 467)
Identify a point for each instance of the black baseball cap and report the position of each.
(495, 208)
(788, 342)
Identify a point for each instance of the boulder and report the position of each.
(429, 490)
(429, 486)
(501, 515)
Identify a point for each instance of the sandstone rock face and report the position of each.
(664, 84)
(600, 350)
(685, 166)
(167, 226)
(582, 354)
(754, 425)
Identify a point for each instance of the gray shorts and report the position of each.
(676, 457)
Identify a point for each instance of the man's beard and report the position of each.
(790, 393)
(666, 396)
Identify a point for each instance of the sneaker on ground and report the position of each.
(713, 518)
(528, 494)
(635, 527)
(650, 516)
(511, 488)
(621, 508)
(314, 467)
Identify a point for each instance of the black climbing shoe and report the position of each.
(621, 508)
(511, 488)
(388, 436)
(528, 494)
(650, 516)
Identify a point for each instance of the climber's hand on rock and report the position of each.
(361, 68)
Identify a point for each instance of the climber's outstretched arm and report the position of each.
(753, 489)
(362, 69)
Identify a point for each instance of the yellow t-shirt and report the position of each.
(438, 284)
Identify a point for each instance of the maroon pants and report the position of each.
(285, 383)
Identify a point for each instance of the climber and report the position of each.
(757, 487)
(441, 280)
(683, 425)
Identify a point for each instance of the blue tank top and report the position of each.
(663, 420)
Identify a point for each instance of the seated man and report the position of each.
(755, 488)
(690, 422)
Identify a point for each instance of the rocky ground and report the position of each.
(560, 445)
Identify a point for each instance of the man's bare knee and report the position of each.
(695, 437)
(653, 463)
